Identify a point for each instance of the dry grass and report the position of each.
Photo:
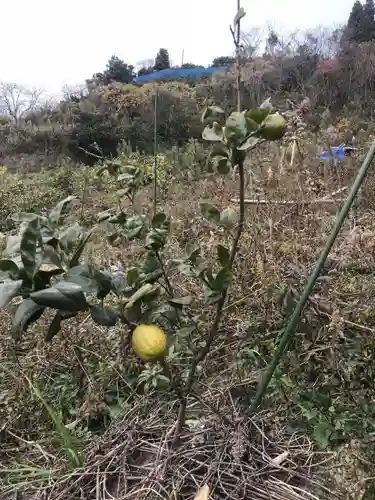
(223, 445)
(134, 459)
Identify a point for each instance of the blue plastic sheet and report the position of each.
(338, 153)
(177, 73)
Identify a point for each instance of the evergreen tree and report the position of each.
(369, 11)
(223, 61)
(190, 66)
(116, 71)
(162, 60)
(361, 26)
(272, 42)
(145, 71)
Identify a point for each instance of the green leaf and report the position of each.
(42, 278)
(194, 255)
(74, 261)
(89, 279)
(185, 331)
(256, 115)
(222, 280)
(8, 290)
(222, 164)
(55, 214)
(86, 283)
(27, 313)
(235, 129)
(48, 237)
(213, 133)
(249, 143)
(132, 275)
(133, 226)
(104, 282)
(228, 218)
(322, 433)
(155, 314)
(50, 257)
(119, 285)
(219, 149)
(64, 295)
(55, 325)
(103, 316)
(211, 296)
(152, 277)
(186, 269)
(209, 211)
(179, 302)
(223, 254)
(30, 240)
(133, 314)
(151, 263)
(69, 237)
(155, 239)
(211, 111)
(119, 218)
(161, 221)
(141, 293)
(10, 267)
(206, 272)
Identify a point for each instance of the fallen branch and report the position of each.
(288, 202)
(341, 190)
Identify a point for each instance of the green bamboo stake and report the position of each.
(155, 153)
(293, 322)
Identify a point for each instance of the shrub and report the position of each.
(43, 262)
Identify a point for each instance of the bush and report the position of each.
(177, 112)
(19, 195)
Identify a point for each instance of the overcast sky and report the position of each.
(49, 43)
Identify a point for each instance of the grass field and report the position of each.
(313, 433)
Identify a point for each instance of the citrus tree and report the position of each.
(42, 268)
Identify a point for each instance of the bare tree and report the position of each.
(18, 100)
(251, 41)
(144, 63)
(322, 41)
(74, 92)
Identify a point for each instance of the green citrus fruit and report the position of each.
(273, 127)
(149, 342)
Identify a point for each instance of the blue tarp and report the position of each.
(338, 153)
(177, 73)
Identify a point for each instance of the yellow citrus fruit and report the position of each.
(149, 342)
(273, 127)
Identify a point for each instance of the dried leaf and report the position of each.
(203, 493)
